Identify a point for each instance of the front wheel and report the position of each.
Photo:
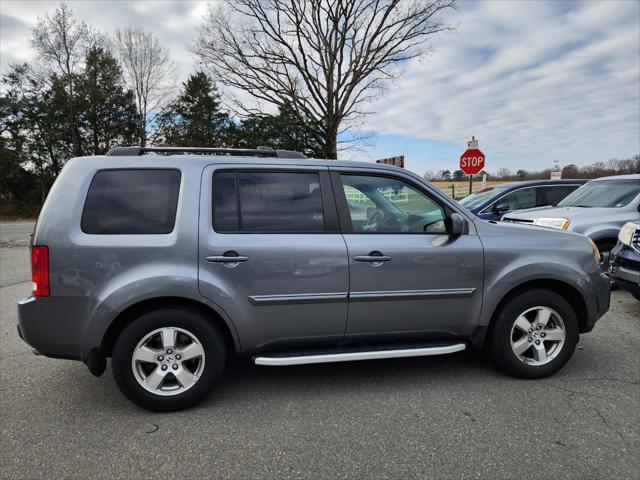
(534, 334)
(168, 359)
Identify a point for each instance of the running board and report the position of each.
(293, 359)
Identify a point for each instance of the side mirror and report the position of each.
(457, 224)
(501, 208)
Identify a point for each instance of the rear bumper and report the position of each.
(54, 326)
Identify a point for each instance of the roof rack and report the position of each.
(258, 152)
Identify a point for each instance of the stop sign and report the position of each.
(472, 161)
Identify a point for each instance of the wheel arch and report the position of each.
(603, 234)
(606, 240)
(566, 290)
(132, 311)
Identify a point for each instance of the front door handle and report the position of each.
(371, 258)
(375, 258)
(227, 257)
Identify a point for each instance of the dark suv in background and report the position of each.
(625, 259)
(491, 203)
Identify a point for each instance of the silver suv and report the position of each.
(597, 209)
(168, 260)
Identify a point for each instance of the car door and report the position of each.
(271, 255)
(408, 275)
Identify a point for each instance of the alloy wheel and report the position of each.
(168, 361)
(537, 336)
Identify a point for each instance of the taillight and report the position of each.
(40, 270)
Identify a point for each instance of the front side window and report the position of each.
(271, 202)
(519, 199)
(386, 205)
(131, 201)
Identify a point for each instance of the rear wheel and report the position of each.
(534, 334)
(168, 359)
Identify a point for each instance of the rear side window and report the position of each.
(131, 202)
(270, 202)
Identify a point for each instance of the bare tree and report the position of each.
(148, 70)
(324, 58)
(503, 173)
(570, 171)
(61, 43)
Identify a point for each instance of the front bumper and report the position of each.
(624, 267)
(597, 298)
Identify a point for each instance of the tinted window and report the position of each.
(387, 205)
(553, 194)
(131, 201)
(519, 199)
(225, 201)
(267, 202)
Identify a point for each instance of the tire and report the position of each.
(508, 329)
(140, 360)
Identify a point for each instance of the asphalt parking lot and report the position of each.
(15, 234)
(437, 417)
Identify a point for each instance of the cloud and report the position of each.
(173, 23)
(534, 81)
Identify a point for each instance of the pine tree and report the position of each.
(282, 131)
(108, 112)
(195, 118)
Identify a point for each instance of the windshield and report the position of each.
(476, 199)
(603, 193)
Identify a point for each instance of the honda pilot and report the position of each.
(169, 260)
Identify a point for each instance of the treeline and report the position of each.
(87, 92)
(613, 166)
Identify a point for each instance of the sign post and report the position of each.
(397, 161)
(472, 161)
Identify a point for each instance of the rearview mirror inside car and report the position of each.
(457, 224)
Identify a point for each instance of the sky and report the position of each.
(534, 81)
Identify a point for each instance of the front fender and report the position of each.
(534, 269)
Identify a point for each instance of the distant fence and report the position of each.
(459, 190)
